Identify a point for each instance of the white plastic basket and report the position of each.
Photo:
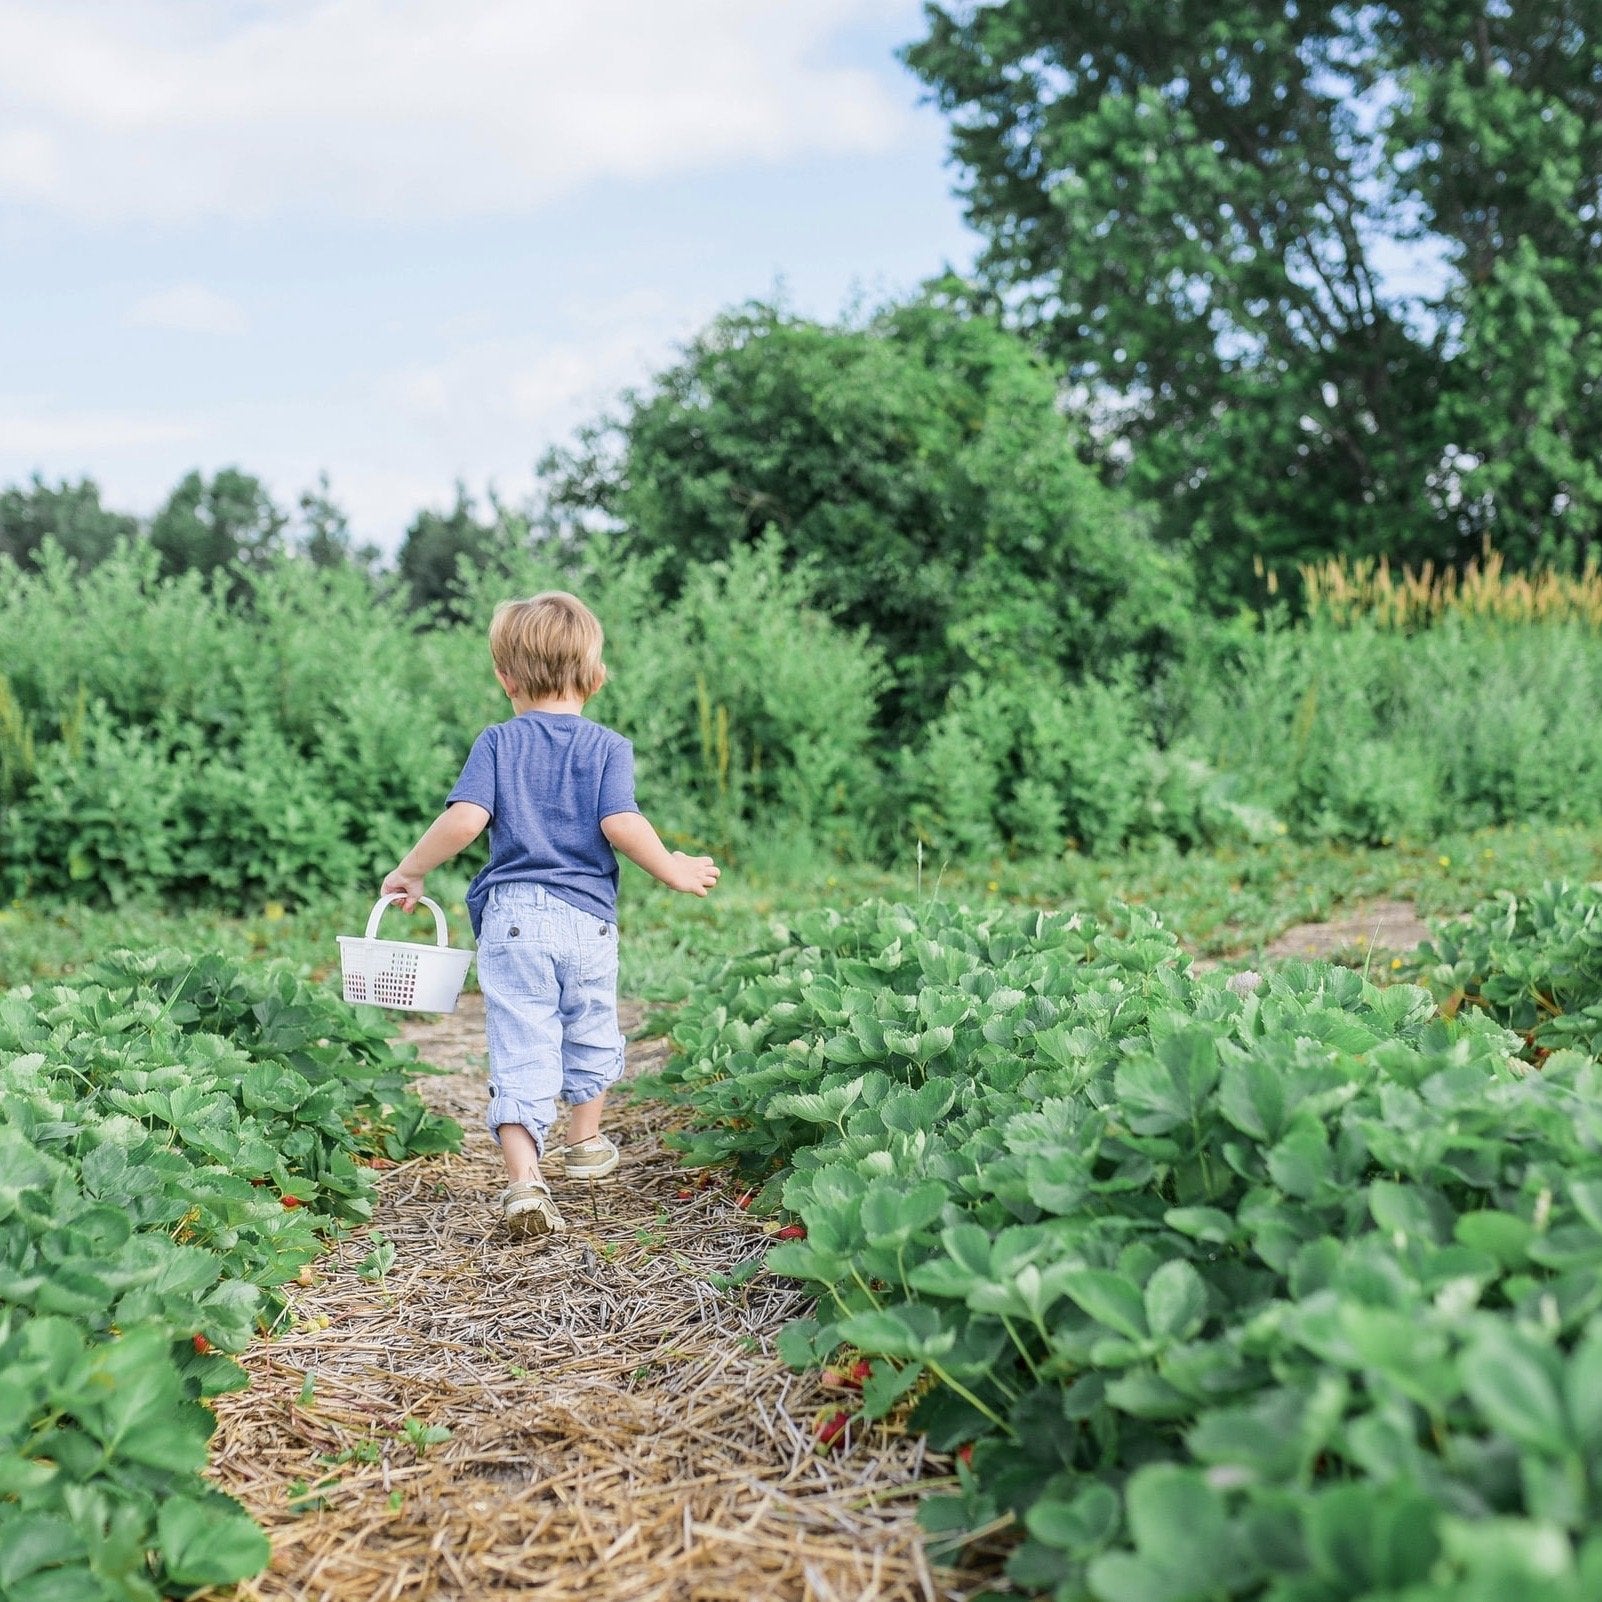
(399, 974)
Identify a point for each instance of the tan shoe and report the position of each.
(529, 1211)
(592, 1160)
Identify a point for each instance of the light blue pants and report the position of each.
(549, 977)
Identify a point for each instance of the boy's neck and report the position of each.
(573, 704)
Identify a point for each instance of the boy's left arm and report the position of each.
(456, 828)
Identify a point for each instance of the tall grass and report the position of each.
(1362, 730)
(1344, 592)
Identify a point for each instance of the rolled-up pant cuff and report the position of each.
(534, 1116)
(580, 1085)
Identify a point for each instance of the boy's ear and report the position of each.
(505, 683)
(600, 681)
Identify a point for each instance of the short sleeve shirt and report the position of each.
(547, 779)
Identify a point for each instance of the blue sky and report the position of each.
(410, 241)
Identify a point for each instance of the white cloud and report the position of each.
(163, 110)
(33, 436)
(491, 407)
(188, 309)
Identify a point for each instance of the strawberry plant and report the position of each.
(1290, 1291)
(155, 1116)
(1533, 962)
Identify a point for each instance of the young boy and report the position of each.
(557, 794)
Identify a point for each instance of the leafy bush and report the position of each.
(1040, 765)
(167, 737)
(1361, 732)
(1534, 962)
(159, 738)
(1285, 1288)
(177, 1138)
(920, 457)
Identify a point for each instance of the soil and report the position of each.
(1388, 926)
(620, 1427)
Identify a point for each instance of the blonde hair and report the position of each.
(548, 645)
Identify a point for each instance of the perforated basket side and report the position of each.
(402, 976)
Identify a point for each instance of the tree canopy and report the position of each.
(1324, 277)
(918, 460)
(208, 524)
(70, 514)
(437, 542)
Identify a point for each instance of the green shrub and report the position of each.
(159, 737)
(1534, 962)
(170, 737)
(1364, 733)
(1284, 1287)
(177, 1138)
(1038, 765)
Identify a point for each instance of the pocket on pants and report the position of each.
(513, 922)
(598, 952)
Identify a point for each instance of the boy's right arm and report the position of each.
(632, 834)
(455, 829)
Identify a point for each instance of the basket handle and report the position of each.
(384, 901)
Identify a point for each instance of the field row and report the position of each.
(178, 1139)
(1283, 1286)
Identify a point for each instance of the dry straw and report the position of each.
(620, 1430)
(1346, 591)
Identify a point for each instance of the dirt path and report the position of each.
(1370, 927)
(621, 1430)
(1388, 926)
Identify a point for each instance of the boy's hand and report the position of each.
(409, 886)
(694, 875)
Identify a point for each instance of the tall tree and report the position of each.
(323, 535)
(1324, 276)
(919, 460)
(218, 523)
(69, 514)
(437, 543)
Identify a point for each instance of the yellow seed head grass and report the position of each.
(1343, 592)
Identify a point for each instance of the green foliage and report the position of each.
(1199, 213)
(178, 1137)
(160, 737)
(1285, 1287)
(282, 732)
(1534, 962)
(921, 460)
(442, 548)
(210, 527)
(1366, 733)
(69, 514)
(1042, 765)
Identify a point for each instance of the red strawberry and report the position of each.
(791, 1232)
(860, 1371)
(965, 1454)
(290, 1201)
(683, 1195)
(829, 1429)
(202, 1345)
(744, 1199)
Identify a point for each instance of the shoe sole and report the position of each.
(529, 1223)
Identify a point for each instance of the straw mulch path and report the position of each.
(620, 1429)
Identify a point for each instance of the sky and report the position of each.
(408, 242)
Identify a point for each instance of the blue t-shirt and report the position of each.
(547, 779)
